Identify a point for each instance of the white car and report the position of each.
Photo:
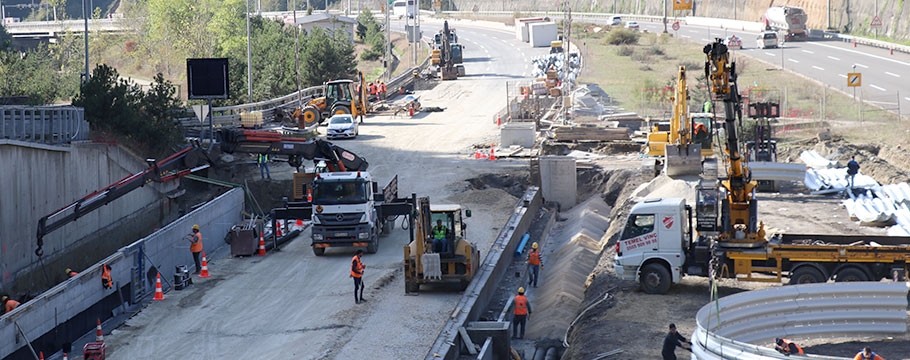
(632, 25)
(616, 20)
(767, 39)
(733, 42)
(342, 126)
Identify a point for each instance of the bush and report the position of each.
(625, 51)
(621, 36)
(654, 50)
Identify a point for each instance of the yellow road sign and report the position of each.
(682, 4)
(854, 79)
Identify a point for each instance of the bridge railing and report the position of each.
(52, 125)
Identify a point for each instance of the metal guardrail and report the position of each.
(51, 125)
(729, 328)
(77, 26)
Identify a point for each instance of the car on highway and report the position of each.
(616, 20)
(767, 39)
(342, 126)
(733, 42)
(632, 25)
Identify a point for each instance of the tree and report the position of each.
(34, 74)
(365, 23)
(326, 57)
(6, 39)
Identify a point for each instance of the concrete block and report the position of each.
(518, 133)
(500, 331)
(558, 180)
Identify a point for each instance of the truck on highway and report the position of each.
(788, 21)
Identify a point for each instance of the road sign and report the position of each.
(202, 111)
(676, 26)
(682, 4)
(854, 79)
(876, 22)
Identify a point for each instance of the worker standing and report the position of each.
(439, 238)
(8, 304)
(382, 90)
(264, 166)
(852, 170)
(867, 354)
(70, 273)
(787, 347)
(357, 267)
(533, 265)
(196, 247)
(521, 309)
(106, 280)
(671, 341)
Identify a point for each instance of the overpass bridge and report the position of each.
(50, 29)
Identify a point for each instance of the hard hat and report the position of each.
(521, 290)
(3, 298)
(68, 270)
(196, 227)
(534, 245)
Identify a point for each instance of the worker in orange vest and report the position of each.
(382, 90)
(357, 267)
(106, 280)
(521, 310)
(8, 304)
(70, 273)
(196, 247)
(787, 347)
(533, 265)
(867, 354)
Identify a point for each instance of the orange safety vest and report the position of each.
(382, 87)
(106, 277)
(521, 305)
(197, 245)
(786, 346)
(356, 267)
(534, 257)
(72, 274)
(859, 356)
(10, 305)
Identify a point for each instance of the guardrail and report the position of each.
(731, 327)
(51, 125)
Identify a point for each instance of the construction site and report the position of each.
(445, 184)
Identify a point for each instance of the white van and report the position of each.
(402, 8)
(767, 39)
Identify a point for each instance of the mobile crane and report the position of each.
(665, 239)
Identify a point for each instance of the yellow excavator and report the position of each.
(680, 148)
(338, 97)
(454, 264)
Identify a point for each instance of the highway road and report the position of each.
(292, 304)
(884, 75)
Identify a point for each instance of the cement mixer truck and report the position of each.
(789, 22)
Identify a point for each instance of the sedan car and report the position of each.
(632, 25)
(342, 126)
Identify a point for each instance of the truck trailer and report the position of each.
(788, 21)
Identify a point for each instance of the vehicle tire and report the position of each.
(310, 116)
(411, 286)
(341, 109)
(807, 275)
(655, 279)
(373, 247)
(319, 251)
(850, 274)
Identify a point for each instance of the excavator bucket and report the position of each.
(682, 160)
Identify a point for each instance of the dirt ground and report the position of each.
(636, 322)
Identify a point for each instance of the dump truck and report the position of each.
(422, 265)
(788, 21)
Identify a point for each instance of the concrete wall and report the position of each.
(85, 300)
(557, 180)
(518, 133)
(42, 179)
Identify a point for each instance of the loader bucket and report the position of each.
(682, 160)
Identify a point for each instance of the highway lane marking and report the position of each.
(769, 54)
(816, 67)
(796, 61)
(808, 52)
(907, 98)
(892, 74)
(877, 87)
(685, 36)
(705, 40)
(861, 65)
(842, 75)
(862, 53)
(834, 58)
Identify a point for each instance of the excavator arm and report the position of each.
(296, 149)
(178, 165)
(682, 155)
(739, 208)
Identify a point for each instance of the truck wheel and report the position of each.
(655, 279)
(411, 286)
(373, 247)
(319, 251)
(850, 274)
(310, 116)
(341, 109)
(806, 275)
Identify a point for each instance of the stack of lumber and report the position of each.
(576, 133)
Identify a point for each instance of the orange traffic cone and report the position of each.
(492, 152)
(65, 357)
(278, 230)
(204, 273)
(309, 195)
(159, 294)
(498, 120)
(40, 355)
(261, 245)
(99, 335)
(299, 222)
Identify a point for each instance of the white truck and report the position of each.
(788, 21)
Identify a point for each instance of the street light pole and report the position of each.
(297, 55)
(249, 55)
(85, 17)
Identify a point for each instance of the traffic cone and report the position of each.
(299, 222)
(159, 294)
(477, 154)
(854, 42)
(99, 335)
(65, 357)
(309, 195)
(261, 245)
(492, 152)
(498, 120)
(892, 51)
(411, 111)
(204, 273)
(40, 355)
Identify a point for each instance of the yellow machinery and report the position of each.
(679, 152)
(338, 97)
(422, 265)
(739, 208)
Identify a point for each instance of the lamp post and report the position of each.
(297, 55)
(249, 54)
(85, 17)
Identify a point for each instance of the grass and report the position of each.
(372, 70)
(649, 70)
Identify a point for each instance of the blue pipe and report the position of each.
(521, 245)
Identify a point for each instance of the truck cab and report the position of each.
(654, 244)
(344, 211)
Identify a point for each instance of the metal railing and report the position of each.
(731, 327)
(52, 125)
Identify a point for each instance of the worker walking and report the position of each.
(440, 245)
(264, 166)
(671, 341)
(867, 354)
(357, 267)
(196, 247)
(8, 304)
(106, 280)
(852, 170)
(521, 310)
(787, 347)
(533, 265)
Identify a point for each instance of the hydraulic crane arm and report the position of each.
(178, 165)
(296, 149)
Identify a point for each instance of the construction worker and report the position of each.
(8, 304)
(263, 162)
(106, 280)
(70, 273)
(382, 90)
(440, 244)
(372, 89)
(521, 309)
(357, 267)
(852, 170)
(533, 265)
(671, 341)
(787, 347)
(195, 240)
(867, 354)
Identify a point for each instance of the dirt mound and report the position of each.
(514, 184)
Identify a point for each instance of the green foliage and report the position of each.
(326, 56)
(370, 31)
(5, 39)
(621, 36)
(625, 50)
(366, 23)
(34, 74)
